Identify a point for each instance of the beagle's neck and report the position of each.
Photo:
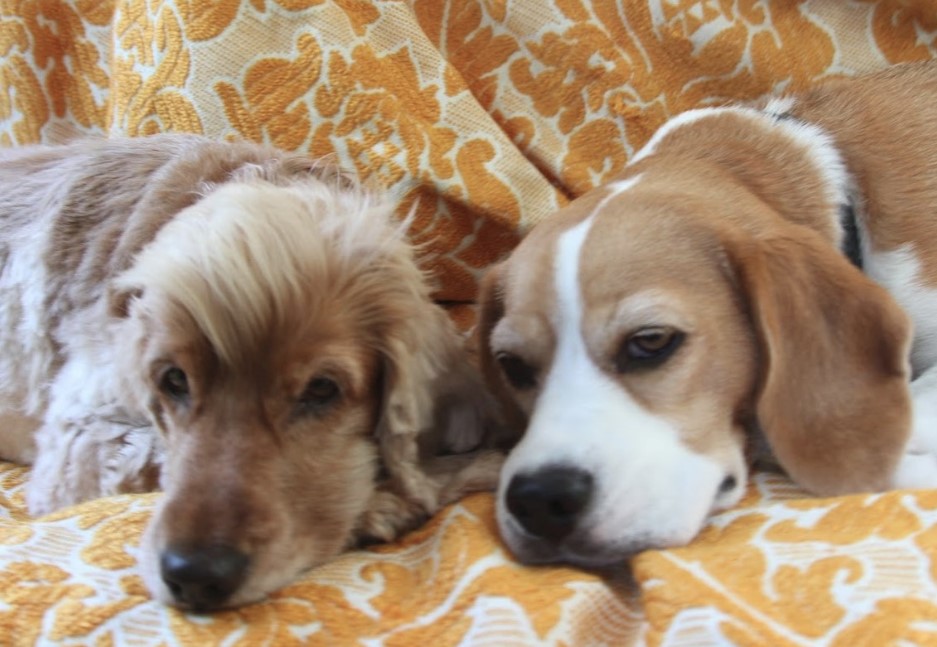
(791, 165)
(821, 147)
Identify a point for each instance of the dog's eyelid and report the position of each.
(343, 376)
(318, 383)
(654, 332)
(647, 347)
(320, 394)
(519, 372)
(172, 381)
(649, 309)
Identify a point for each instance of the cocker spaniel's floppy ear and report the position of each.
(833, 400)
(120, 297)
(434, 400)
(491, 310)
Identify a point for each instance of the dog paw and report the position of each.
(38, 501)
(387, 516)
(464, 429)
(131, 462)
(479, 474)
(45, 497)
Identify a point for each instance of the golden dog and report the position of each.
(246, 329)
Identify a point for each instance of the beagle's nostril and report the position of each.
(549, 502)
(203, 577)
(728, 484)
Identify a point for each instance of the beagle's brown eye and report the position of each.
(319, 393)
(174, 383)
(648, 348)
(518, 372)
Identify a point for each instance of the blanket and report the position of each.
(482, 117)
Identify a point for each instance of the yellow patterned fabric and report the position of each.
(482, 116)
(70, 578)
(783, 569)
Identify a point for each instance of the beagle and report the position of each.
(758, 276)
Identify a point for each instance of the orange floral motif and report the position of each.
(273, 89)
(51, 67)
(147, 82)
(43, 587)
(206, 20)
(907, 32)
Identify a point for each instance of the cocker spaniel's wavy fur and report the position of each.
(244, 328)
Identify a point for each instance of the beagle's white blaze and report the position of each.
(649, 487)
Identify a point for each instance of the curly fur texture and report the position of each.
(321, 388)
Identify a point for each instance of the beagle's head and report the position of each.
(642, 333)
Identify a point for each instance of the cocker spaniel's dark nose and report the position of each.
(203, 578)
(549, 502)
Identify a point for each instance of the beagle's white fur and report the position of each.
(246, 329)
(654, 334)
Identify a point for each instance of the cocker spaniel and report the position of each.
(244, 328)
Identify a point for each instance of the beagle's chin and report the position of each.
(579, 550)
(534, 551)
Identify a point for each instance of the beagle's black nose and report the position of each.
(203, 577)
(548, 502)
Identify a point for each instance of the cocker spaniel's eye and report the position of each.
(648, 348)
(519, 373)
(174, 383)
(319, 393)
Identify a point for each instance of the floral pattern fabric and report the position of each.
(482, 117)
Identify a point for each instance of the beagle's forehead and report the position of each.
(614, 241)
(529, 274)
(636, 245)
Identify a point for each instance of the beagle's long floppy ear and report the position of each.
(434, 399)
(834, 402)
(490, 312)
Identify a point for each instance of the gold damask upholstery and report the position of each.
(484, 116)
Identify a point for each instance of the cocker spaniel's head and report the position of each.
(284, 342)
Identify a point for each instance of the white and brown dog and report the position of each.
(242, 326)
(710, 300)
